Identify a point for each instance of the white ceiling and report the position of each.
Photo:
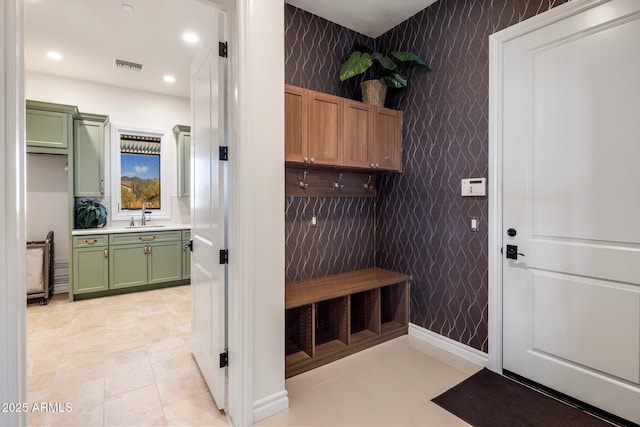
(369, 17)
(91, 34)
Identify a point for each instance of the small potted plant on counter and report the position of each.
(379, 71)
(90, 214)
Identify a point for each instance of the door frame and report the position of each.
(246, 51)
(13, 367)
(496, 142)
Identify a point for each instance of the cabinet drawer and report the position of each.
(130, 238)
(90, 240)
(186, 235)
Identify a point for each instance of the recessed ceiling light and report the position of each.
(54, 55)
(190, 38)
(169, 79)
(127, 7)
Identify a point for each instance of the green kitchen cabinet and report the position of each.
(183, 139)
(186, 254)
(164, 262)
(139, 259)
(88, 146)
(49, 127)
(128, 266)
(90, 264)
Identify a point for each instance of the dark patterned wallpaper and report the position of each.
(344, 239)
(421, 223)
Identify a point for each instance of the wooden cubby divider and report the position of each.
(330, 317)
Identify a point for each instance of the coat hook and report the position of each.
(337, 184)
(302, 181)
(368, 185)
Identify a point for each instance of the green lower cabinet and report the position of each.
(164, 262)
(90, 269)
(186, 255)
(128, 266)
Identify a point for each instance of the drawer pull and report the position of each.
(147, 238)
(91, 241)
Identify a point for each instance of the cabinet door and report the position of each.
(358, 134)
(164, 262)
(388, 139)
(90, 269)
(128, 266)
(49, 129)
(89, 158)
(184, 164)
(295, 124)
(325, 129)
(186, 261)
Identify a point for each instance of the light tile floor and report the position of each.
(125, 360)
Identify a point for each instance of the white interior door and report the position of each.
(209, 175)
(571, 301)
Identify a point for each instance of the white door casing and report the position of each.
(566, 141)
(208, 206)
(13, 235)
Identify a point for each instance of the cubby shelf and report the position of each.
(330, 317)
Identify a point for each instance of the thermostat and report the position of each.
(474, 187)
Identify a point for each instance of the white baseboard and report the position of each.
(270, 405)
(447, 344)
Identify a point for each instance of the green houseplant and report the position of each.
(90, 214)
(379, 71)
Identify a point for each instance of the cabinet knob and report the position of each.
(313, 159)
(306, 159)
(145, 250)
(372, 165)
(106, 253)
(377, 165)
(102, 187)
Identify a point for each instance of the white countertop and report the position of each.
(136, 229)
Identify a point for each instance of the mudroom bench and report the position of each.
(331, 317)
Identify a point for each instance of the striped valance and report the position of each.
(135, 144)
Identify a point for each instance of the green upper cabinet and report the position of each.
(49, 127)
(88, 146)
(183, 138)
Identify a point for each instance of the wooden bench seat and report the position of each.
(330, 317)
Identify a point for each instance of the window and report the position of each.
(140, 179)
(139, 174)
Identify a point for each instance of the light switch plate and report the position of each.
(474, 187)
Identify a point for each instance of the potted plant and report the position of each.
(90, 214)
(379, 71)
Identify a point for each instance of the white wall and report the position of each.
(47, 208)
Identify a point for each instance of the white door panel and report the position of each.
(571, 301)
(208, 220)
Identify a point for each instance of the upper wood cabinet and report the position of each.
(358, 134)
(324, 129)
(387, 138)
(295, 124)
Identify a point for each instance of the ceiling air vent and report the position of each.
(126, 65)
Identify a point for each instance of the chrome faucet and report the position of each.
(144, 220)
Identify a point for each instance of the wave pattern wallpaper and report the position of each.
(421, 223)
